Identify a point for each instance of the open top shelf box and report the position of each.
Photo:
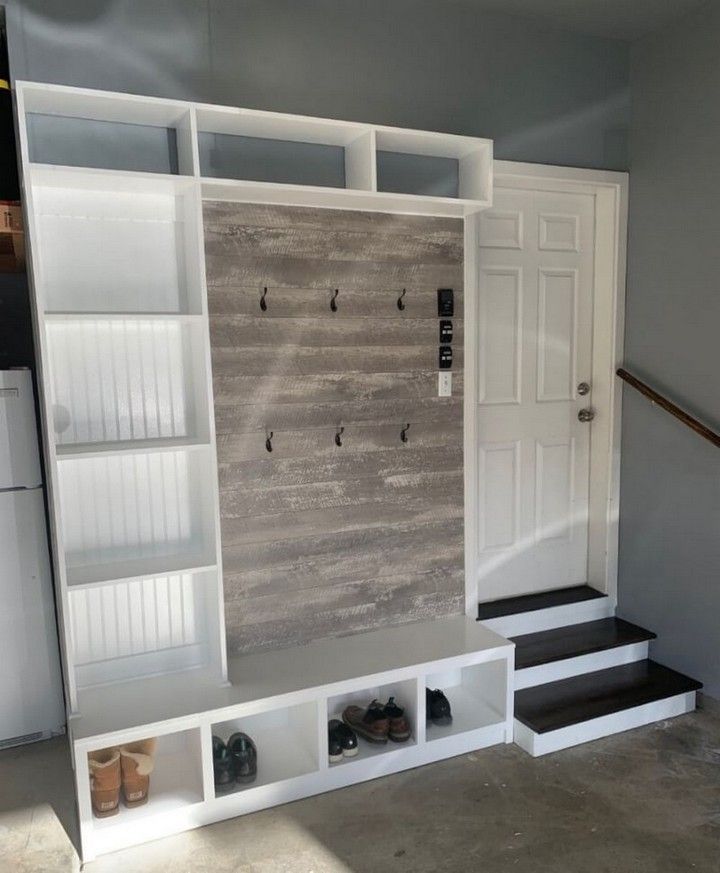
(79, 126)
(255, 156)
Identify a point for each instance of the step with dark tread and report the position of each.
(575, 640)
(532, 602)
(557, 705)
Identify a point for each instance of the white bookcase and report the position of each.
(121, 321)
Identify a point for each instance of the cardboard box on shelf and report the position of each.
(12, 237)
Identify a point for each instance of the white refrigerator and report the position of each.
(31, 698)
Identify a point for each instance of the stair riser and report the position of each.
(532, 676)
(548, 619)
(552, 741)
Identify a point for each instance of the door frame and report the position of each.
(610, 190)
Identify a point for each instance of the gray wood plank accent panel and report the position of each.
(320, 540)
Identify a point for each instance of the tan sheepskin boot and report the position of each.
(104, 781)
(138, 761)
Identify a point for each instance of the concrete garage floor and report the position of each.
(647, 801)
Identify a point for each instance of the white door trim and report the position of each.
(610, 191)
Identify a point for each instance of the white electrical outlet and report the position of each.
(444, 383)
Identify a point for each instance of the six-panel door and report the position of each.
(534, 349)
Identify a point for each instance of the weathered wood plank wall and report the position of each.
(320, 540)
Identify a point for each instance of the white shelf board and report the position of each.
(94, 179)
(335, 665)
(66, 451)
(238, 190)
(94, 575)
(119, 315)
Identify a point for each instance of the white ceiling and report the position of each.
(620, 19)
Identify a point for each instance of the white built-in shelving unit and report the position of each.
(113, 192)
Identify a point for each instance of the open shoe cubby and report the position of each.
(476, 694)
(117, 380)
(286, 740)
(176, 788)
(405, 694)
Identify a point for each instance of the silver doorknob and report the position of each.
(586, 414)
(583, 388)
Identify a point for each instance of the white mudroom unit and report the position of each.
(141, 520)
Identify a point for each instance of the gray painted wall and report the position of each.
(542, 93)
(670, 499)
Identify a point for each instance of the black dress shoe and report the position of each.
(437, 707)
(244, 755)
(223, 765)
(342, 741)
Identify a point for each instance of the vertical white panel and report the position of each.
(111, 251)
(499, 490)
(121, 380)
(554, 465)
(500, 332)
(557, 334)
(129, 507)
(128, 628)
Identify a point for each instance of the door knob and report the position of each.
(583, 388)
(586, 414)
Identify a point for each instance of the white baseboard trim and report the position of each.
(593, 729)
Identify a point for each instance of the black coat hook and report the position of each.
(268, 442)
(400, 303)
(333, 304)
(263, 304)
(338, 441)
(403, 433)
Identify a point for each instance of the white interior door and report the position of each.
(535, 308)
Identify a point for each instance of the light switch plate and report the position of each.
(444, 383)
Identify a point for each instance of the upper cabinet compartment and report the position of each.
(283, 149)
(433, 164)
(79, 128)
(252, 156)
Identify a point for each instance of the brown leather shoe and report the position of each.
(399, 730)
(104, 767)
(372, 724)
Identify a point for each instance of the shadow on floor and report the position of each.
(38, 820)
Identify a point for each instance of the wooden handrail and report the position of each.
(670, 407)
